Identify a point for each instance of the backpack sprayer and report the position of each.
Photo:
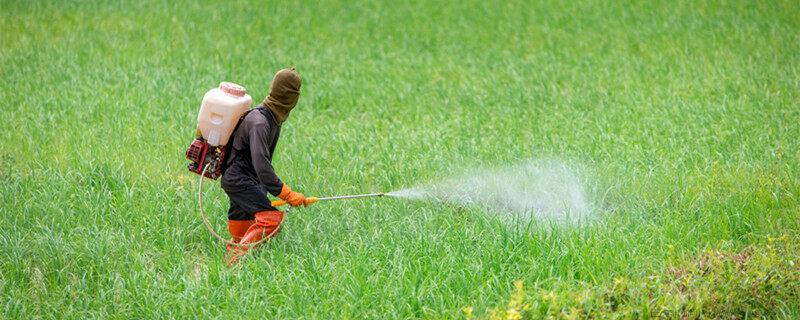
(221, 112)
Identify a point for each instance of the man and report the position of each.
(250, 176)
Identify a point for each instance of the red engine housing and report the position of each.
(200, 153)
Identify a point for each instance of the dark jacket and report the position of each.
(249, 158)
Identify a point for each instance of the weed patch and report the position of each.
(759, 281)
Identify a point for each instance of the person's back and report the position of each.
(241, 171)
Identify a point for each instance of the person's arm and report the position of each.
(259, 153)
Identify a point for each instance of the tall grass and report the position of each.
(684, 115)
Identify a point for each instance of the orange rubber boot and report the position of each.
(267, 224)
(238, 228)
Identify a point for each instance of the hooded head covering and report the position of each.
(283, 94)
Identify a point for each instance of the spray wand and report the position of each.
(310, 200)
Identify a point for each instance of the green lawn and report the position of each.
(683, 117)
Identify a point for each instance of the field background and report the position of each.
(683, 115)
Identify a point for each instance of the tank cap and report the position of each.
(232, 89)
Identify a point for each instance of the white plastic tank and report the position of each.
(220, 112)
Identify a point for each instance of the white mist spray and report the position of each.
(547, 190)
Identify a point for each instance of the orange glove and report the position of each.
(294, 199)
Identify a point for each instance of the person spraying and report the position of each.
(249, 175)
(238, 143)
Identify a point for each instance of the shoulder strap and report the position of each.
(267, 113)
(240, 121)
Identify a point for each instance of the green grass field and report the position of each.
(683, 115)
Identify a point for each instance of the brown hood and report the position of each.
(283, 94)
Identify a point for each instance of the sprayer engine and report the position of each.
(200, 153)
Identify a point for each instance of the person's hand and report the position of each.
(296, 199)
(293, 198)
